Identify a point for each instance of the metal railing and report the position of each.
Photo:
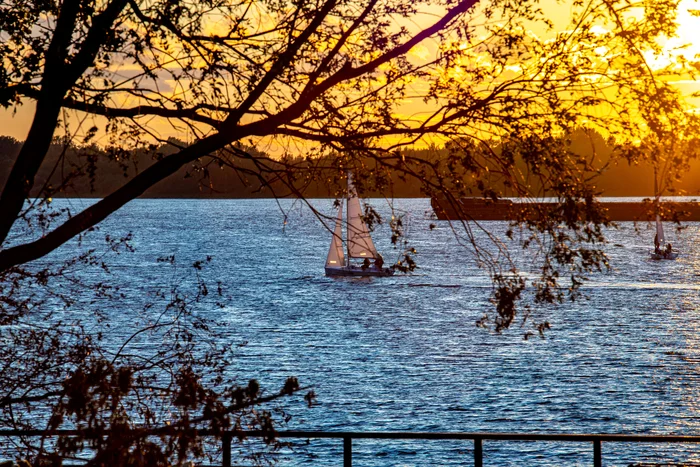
(477, 438)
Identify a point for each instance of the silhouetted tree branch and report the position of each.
(339, 85)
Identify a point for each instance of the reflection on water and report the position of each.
(403, 353)
(640, 285)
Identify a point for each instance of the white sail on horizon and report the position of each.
(360, 244)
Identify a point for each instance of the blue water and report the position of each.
(403, 353)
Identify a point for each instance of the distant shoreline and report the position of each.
(624, 209)
(605, 199)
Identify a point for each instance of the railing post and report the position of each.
(226, 450)
(478, 453)
(597, 454)
(347, 451)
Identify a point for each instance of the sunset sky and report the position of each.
(16, 122)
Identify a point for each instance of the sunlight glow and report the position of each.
(685, 45)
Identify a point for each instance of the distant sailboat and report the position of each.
(661, 249)
(359, 243)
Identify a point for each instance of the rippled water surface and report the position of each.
(403, 353)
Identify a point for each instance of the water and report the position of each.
(403, 353)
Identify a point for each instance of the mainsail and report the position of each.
(336, 257)
(657, 207)
(360, 243)
(659, 230)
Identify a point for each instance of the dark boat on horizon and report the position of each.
(633, 210)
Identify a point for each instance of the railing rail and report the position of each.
(477, 437)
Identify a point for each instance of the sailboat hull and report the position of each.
(668, 256)
(358, 271)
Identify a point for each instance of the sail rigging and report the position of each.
(360, 243)
(657, 209)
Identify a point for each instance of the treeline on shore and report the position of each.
(93, 171)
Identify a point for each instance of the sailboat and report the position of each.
(359, 243)
(661, 249)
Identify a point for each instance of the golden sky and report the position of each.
(15, 122)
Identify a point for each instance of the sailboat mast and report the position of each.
(347, 210)
(656, 192)
(657, 208)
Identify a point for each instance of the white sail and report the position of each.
(360, 243)
(659, 230)
(659, 227)
(336, 256)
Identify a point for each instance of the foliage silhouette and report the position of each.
(321, 87)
